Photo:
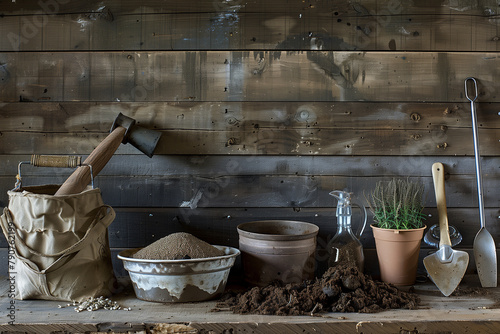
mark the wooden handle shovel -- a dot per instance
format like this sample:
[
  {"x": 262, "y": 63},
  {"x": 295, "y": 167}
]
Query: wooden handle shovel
[{"x": 446, "y": 267}]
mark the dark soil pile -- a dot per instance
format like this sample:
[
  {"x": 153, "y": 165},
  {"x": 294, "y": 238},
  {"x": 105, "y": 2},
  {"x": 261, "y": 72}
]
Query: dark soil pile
[
  {"x": 341, "y": 289},
  {"x": 178, "y": 246}
]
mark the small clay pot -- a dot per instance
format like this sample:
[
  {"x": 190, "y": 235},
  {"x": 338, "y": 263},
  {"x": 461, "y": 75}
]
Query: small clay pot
[
  {"x": 277, "y": 250},
  {"x": 397, "y": 252}
]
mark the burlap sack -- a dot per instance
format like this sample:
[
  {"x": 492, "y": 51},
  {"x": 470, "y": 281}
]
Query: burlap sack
[{"x": 58, "y": 245}]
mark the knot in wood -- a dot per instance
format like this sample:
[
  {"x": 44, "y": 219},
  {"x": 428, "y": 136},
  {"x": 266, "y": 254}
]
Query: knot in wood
[
  {"x": 415, "y": 117},
  {"x": 231, "y": 141},
  {"x": 416, "y": 136},
  {"x": 308, "y": 143},
  {"x": 443, "y": 145},
  {"x": 232, "y": 121}
]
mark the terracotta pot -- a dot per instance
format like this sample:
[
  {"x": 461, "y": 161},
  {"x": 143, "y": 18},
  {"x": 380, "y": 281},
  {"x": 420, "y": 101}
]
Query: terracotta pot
[
  {"x": 397, "y": 252},
  {"x": 277, "y": 249}
]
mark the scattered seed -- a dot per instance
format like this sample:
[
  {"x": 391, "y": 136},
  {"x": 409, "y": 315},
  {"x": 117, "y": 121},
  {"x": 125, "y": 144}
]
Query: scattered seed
[{"x": 94, "y": 304}]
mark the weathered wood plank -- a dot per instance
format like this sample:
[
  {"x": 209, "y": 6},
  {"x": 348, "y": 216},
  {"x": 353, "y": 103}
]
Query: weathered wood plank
[
  {"x": 204, "y": 25},
  {"x": 253, "y": 181},
  {"x": 220, "y": 166},
  {"x": 246, "y": 76},
  {"x": 245, "y": 128},
  {"x": 285, "y": 142},
  {"x": 370, "y": 7},
  {"x": 80, "y": 117},
  {"x": 219, "y": 30},
  {"x": 256, "y": 191}
]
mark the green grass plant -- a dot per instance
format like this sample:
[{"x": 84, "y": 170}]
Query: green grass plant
[{"x": 398, "y": 204}]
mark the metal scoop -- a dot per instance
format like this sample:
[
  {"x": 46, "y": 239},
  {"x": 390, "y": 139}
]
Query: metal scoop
[{"x": 485, "y": 252}]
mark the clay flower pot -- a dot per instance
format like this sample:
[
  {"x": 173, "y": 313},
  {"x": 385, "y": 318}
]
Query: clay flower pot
[{"x": 397, "y": 252}]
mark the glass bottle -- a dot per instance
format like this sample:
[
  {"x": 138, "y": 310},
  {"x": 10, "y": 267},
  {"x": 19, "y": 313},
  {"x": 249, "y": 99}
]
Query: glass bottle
[{"x": 345, "y": 246}]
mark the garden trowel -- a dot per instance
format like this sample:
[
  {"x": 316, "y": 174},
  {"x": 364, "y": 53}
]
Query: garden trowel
[{"x": 446, "y": 267}]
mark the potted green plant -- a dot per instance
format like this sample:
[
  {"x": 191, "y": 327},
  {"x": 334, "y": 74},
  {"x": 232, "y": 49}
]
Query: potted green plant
[{"x": 398, "y": 228}]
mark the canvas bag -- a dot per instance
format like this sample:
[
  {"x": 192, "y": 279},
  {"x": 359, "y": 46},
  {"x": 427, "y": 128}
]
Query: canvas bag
[{"x": 58, "y": 245}]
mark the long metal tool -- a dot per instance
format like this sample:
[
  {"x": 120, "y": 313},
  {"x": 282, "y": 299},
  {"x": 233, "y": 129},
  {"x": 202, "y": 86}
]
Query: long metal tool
[
  {"x": 484, "y": 247},
  {"x": 447, "y": 266}
]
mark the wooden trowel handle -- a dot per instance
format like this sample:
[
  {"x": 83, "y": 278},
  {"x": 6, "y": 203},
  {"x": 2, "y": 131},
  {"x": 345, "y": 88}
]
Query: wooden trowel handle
[
  {"x": 78, "y": 181},
  {"x": 438, "y": 178}
]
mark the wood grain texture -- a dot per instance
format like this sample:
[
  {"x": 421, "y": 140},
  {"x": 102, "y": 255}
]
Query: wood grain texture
[
  {"x": 271, "y": 142},
  {"x": 260, "y": 128},
  {"x": 256, "y": 76},
  {"x": 259, "y": 6},
  {"x": 88, "y": 117},
  {"x": 254, "y": 191},
  {"x": 369, "y": 7},
  {"x": 250, "y": 25},
  {"x": 206, "y": 181},
  {"x": 214, "y": 166}
]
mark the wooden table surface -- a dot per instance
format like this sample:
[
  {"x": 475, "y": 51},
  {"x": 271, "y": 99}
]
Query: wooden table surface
[{"x": 476, "y": 310}]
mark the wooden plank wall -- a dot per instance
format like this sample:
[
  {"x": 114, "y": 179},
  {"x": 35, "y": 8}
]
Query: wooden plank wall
[{"x": 265, "y": 106}]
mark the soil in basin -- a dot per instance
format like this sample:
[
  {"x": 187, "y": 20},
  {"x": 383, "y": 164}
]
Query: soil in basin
[{"x": 178, "y": 246}]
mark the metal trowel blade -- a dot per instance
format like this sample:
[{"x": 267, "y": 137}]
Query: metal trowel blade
[{"x": 447, "y": 275}]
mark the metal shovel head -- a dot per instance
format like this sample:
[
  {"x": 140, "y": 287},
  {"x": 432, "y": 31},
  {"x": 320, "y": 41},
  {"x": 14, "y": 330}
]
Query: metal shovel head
[
  {"x": 486, "y": 258},
  {"x": 446, "y": 268}
]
